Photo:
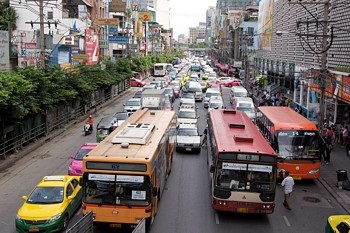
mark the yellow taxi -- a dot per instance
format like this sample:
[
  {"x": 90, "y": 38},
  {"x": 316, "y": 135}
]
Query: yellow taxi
[
  {"x": 50, "y": 205},
  {"x": 338, "y": 224}
]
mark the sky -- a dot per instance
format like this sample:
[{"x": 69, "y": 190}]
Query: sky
[{"x": 187, "y": 13}]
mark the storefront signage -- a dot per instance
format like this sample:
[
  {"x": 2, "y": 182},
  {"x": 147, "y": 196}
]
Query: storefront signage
[{"x": 117, "y": 6}]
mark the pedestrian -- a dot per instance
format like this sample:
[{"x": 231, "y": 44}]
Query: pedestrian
[
  {"x": 205, "y": 132},
  {"x": 345, "y": 134},
  {"x": 288, "y": 184},
  {"x": 329, "y": 148}
]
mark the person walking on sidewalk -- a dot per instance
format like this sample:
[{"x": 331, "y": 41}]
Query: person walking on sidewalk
[
  {"x": 329, "y": 148},
  {"x": 288, "y": 184},
  {"x": 205, "y": 132}
]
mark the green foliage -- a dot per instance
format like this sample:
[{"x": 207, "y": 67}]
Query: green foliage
[
  {"x": 343, "y": 69},
  {"x": 29, "y": 90},
  {"x": 8, "y": 14},
  {"x": 199, "y": 45}
]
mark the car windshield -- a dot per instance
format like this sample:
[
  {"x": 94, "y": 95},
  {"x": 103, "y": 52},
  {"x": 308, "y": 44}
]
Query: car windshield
[
  {"x": 210, "y": 94},
  {"x": 46, "y": 195},
  {"x": 81, "y": 153},
  {"x": 133, "y": 103},
  {"x": 245, "y": 109},
  {"x": 108, "y": 189},
  {"x": 215, "y": 105},
  {"x": 187, "y": 132},
  {"x": 187, "y": 96},
  {"x": 168, "y": 91},
  {"x": 121, "y": 116},
  {"x": 187, "y": 114}
]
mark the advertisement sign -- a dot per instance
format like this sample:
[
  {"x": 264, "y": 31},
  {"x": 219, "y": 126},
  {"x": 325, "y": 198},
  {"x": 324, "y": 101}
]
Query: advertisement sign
[
  {"x": 345, "y": 89},
  {"x": 4, "y": 51},
  {"x": 113, "y": 30},
  {"x": 117, "y": 6},
  {"x": 265, "y": 20},
  {"x": 144, "y": 16},
  {"x": 91, "y": 47},
  {"x": 316, "y": 77},
  {"x": 118, "y": 39},
  {"x": 107, "y": 21}
]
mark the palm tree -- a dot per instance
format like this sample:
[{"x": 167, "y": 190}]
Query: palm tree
[{"x": 8, "y": 14}]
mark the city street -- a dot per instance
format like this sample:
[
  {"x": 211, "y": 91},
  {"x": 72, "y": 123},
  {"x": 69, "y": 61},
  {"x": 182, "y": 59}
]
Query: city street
[{"x": 185, "y": 205}]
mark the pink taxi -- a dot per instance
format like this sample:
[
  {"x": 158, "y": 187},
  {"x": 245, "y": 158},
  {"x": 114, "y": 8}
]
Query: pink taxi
[{"x": 76, "y": 165}]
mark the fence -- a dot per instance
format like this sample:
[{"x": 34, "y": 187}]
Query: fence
[
  {"x": 84, "y": 225},
  {"x": 15, "y": 135}
]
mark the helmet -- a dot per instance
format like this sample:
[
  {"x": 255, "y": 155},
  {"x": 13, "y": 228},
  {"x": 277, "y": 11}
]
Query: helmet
[{"x": 90, "y": 116}]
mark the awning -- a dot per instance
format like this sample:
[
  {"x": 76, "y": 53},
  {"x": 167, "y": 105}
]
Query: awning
[{"x": 87, "y": 2}]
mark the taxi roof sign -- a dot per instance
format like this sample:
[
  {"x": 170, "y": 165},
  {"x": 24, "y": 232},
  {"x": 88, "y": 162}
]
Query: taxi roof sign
[{"x": 53, "y": 178}]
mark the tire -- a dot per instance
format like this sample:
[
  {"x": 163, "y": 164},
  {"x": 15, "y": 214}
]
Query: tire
[
  {"x": 139, "y": 85},
  {"x": 65, "y": 221}
]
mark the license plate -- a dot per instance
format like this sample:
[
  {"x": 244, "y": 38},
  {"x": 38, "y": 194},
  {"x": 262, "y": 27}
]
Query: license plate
[
  {"x": 242, "y": 210},
  {"x": 33, "y": 229},
  {"x": 297, "y": 177},
  {"x": 188, "y": 149},
  {"x": 115, "y": 225}
]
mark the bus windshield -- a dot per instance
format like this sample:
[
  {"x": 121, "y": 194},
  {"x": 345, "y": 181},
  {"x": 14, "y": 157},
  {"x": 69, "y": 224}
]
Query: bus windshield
[
  {"x": 297, "y": 144},
  {"x": 241, "y": 176},
  {"x": 111, "y": 189},
  {"x": 159, "y": 67}
]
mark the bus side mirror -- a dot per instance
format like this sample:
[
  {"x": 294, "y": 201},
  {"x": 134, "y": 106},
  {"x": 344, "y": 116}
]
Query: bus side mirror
[
  {"x": 212, "y": 169},
  {"x": 155, "y": 191},
  {"x": 81, "y": 181}
]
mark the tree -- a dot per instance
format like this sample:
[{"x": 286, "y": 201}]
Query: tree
[{"x": 8, "y": 15}]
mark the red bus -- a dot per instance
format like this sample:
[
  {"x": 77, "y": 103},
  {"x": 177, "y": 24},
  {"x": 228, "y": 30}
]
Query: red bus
[
  {"x": 294, "y": 138},
  {"x": 242, "y": 164}
]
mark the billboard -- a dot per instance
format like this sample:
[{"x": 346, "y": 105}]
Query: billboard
[
  {"x": 92, "y": 47},
  {"x": 265, "y": 21},
  {"x": 4, "y": 51}
]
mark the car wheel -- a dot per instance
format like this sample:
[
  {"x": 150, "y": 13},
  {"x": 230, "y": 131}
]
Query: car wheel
[
  {"x": 230, "y": 85},
  {"x": 139, "y": 85},
  {"x": 65, "y": 221}
]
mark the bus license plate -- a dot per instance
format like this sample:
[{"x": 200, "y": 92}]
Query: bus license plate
[
  {"x": 115, "y": 225},
  {"x": 242, "y": 210},
  {"x": 297, "y": 177},
  {"x": 33, "y": 229},
  {"x": 188, "y": 149}
]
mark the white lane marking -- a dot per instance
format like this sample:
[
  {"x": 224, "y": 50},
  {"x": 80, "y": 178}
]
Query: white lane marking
[
  {"x": 286, "y": 221},
  {"x": 217, "y": 219}
]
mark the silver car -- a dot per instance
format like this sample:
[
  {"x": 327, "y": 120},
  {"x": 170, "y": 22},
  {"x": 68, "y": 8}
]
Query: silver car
[{"x": 188, "y": 139}]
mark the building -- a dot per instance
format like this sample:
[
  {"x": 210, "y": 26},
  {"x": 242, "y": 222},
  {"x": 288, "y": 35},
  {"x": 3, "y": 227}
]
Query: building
[
  {"x": 197, "y": 32},
  {"x": 210, "y": 17},
  {"x": 291, "y": 57}
]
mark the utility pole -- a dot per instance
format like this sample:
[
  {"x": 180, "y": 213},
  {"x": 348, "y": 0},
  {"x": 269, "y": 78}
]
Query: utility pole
[
  {"x": 42, "y": 34},
  {"x": 324, "y": 48}
]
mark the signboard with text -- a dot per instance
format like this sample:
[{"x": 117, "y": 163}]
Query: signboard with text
[
  {"x": 144, "y": 16},
  {"x": 107, "y": 21},
  {"x": 118, "y": 39},
  {"x": 4, "y": 51},
  {"x": 117, "y": 6}
]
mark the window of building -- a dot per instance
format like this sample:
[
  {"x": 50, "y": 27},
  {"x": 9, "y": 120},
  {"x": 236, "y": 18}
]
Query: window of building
[{"x": 50, "y": 15}]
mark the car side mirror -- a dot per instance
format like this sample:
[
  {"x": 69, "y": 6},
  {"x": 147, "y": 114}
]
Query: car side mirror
[
  {"x": 123, "y": 104},
  {"x": 72, "y": 157}
]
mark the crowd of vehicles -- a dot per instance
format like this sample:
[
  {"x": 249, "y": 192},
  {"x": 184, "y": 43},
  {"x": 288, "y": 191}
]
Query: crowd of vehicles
[{"x": 125, "y": 171}]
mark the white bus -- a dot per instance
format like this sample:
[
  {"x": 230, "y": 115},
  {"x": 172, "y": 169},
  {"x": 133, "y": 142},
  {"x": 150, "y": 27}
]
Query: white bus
[{"x": 161, "y": 69}]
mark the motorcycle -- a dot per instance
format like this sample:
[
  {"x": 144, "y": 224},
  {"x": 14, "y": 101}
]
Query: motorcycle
[{"x": 88, "y": 129}]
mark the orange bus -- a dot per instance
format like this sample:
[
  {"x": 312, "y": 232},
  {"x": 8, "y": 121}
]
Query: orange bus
[
  {"x": 242, "y": 164},
  {"x": 124, "y": 175},
  {"x": 294, "y": 138}
]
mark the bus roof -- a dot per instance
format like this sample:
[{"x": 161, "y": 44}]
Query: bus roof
[
  {"x": 285, "y": 118},
  {"x": 234, "y": 131},
  {"x": 136, "y": 140}
]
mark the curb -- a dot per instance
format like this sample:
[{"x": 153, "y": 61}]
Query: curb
[
  {"x": 13, "y": 158},
  {"x": 328, "y": 187}
]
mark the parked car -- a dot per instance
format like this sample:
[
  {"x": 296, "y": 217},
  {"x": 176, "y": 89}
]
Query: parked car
[
  {"x": 188, "y": 139},
  {"x": 134, "y": 82},
  {"x": 51, "y": 204},
  {"x": 76, "y": 165},
  {"x": 137, "y": 94}
]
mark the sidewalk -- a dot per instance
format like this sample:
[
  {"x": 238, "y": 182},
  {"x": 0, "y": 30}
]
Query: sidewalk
[
  {"x": 13, "y": 158},
  {"x": 328, "y": 178}
]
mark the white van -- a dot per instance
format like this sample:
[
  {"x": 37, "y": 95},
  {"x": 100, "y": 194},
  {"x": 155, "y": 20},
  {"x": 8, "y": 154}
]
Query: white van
[
  {"x": 238, "y": 91},
  {"x": 210, "y": 92},
  {"x": 195, "y": 88},
  {"x": 245, "y": 104}
]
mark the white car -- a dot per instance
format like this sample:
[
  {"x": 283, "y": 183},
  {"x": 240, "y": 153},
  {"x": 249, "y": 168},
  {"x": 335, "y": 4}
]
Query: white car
[
  {"x": 215, "y": 102},
  {"x": 132, "y": 105},
  {"x": 187, "y": 115},
  {"x": 188, "y": 139}
]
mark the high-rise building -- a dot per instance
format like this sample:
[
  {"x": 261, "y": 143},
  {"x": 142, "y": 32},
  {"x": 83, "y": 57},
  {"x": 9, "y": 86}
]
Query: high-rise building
[{"x": 210, "y": 17}]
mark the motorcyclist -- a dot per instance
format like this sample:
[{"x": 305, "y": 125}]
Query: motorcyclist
[{"x": 90, "y": 121}]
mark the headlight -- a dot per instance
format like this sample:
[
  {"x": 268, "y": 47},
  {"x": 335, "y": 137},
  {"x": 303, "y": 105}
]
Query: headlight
[
  {"x": 18, "y": 218},
  {"x": 55, "y": 218}
]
